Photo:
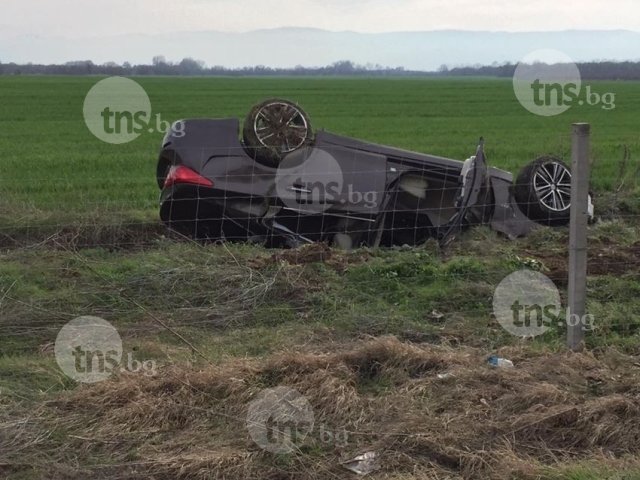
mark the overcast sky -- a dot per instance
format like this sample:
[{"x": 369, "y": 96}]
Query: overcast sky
[{"x": 82, "y": 18}]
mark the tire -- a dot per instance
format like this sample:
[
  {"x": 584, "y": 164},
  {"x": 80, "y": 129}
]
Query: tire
[
  {"x": 543, "y": 191},
  {"x": 275, "y": 128}
]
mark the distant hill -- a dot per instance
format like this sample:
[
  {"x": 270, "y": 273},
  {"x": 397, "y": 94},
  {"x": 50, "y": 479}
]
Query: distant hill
[{"x": 288, "y": 47}]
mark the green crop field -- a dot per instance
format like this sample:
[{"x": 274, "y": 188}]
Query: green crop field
[
  {"x": 389, "y": 346},
  {"x": 51, "y": 162}
]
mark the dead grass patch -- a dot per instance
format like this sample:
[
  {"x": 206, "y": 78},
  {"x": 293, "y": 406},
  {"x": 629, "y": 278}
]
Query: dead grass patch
[{"x": 475, "y": 423}]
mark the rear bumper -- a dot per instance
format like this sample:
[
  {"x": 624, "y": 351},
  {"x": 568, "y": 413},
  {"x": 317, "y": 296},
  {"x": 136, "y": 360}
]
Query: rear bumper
[{"x": 205, "y": 213}]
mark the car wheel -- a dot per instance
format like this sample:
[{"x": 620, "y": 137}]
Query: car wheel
[
  {"x": 275, "y": 128},
  {"x": 543, "y": 191}
]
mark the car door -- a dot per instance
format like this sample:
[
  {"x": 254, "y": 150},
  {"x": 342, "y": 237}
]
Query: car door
[{"x": 472, "y": 177}]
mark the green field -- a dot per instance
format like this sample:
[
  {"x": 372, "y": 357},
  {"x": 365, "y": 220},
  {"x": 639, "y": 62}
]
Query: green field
[
  {"x": 51, "y": 162},
  {"x": 363, "y": 335}
]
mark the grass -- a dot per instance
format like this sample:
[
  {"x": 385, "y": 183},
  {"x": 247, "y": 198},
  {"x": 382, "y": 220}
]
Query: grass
[
  {"x": 362, "y": 334},
  {"x": 282, "y": 318},
  {"x": 52, "y": 163}
]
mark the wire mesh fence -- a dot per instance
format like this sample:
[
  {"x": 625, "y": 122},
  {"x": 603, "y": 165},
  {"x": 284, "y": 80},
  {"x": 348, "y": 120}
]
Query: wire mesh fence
[
  {"x": 427, "y": 237},
  {"x": 372, "y": 282}
]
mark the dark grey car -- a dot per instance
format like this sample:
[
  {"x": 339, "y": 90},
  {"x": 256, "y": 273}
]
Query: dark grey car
[{"x": 284, "y": 185}]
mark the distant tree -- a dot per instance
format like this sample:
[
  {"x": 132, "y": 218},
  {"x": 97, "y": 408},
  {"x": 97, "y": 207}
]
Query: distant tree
[
  {"x": 343, "y": 66},
  {"x": 189, "y": 66},
  {"x": 80, "y": 67},
  {"x": 79, "y": 63},
  {"x": 158, "y": 60}
]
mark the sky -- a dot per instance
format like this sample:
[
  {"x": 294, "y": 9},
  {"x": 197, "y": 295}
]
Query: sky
[{"x": 86, "y": 18}]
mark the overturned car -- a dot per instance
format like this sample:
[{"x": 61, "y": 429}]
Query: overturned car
[{"x": 285, "y": 185}]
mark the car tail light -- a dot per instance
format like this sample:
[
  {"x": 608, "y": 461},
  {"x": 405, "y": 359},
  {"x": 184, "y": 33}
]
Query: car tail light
[{"x": 182, "y": 174}]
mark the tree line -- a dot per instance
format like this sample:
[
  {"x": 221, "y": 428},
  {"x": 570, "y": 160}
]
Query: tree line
[
  {"x": 191, "y": 67},
  {"x": 597, "y": 70}
]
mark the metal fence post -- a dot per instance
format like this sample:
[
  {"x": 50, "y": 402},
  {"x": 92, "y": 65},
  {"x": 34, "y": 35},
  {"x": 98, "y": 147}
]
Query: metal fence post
[{"x": 578, "y": 235}]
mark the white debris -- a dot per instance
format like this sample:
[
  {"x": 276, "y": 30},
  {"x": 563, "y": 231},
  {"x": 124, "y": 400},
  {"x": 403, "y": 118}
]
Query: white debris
[{"x": 363, "y": 464}]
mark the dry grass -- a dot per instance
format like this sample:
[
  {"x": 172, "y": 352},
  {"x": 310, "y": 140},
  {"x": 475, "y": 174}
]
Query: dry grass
[{"x": 383, "y": 395}]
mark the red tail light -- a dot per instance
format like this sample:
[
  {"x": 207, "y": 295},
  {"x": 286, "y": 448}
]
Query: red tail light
[{"x": 182, "y": 174}]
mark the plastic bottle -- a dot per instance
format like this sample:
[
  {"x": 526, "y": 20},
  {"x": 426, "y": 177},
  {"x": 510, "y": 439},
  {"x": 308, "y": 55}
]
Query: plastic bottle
[{"x": 500, "y": 362}]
